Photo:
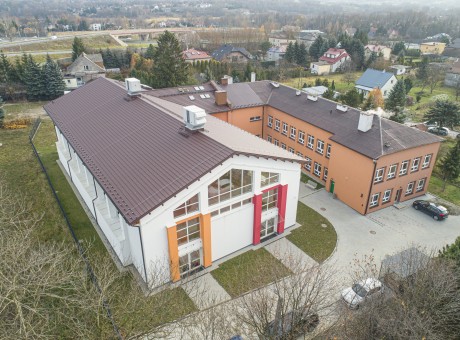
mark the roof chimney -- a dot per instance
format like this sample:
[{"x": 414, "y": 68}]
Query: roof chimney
[
  {"x": 253, "y": 77},
  {"x": 226, "y": 80},
  {"x": 133, "y": 86},
  {"x": 194, "y": 117},
  {"x": 221, "y": 97},
  {"x": 365, "y": 121}
]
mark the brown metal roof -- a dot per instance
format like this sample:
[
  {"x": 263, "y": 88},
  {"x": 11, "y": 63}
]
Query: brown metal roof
[{"x": 133, "y": 149}]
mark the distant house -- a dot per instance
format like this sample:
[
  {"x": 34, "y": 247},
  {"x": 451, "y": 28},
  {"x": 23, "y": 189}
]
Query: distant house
[
  {"x": 350, "y": 31},
  {"x": 85, "y": 68},
  {"x": 308, "y": 37},
  {"x": 393, "y": 34},
  {"x": 191, "y": 55},
  {"x": 231, "y": 54},
  {"x": 412, "y": 46},
  {"x": 399, "y": 69},
  {"x": 371, "y": 79},
  {"x": 276, "y": 53},
  {"x": 453, "y": 75},
  {"x": 432, "y": 47},
  {"x": 95, "y": 27},
  {"x": 453, "y": 50},
  {"x": 279, "y": 40},
  {"x": 334, "y": 57},
  {"x": 379, "y": 50},
  {"x": 372, "y": 32}
]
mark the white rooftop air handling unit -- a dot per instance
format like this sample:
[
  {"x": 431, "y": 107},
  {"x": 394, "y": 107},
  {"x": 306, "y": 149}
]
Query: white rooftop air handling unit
[
  {"x": 366, "y": 119},
  {"x": 298, "y": 93},
  {"x": 342, "y": 108},
  {"x": 194, "y": 117},
  {"x": 312, "y": 98},
  {"x": 133, "y": 86}
]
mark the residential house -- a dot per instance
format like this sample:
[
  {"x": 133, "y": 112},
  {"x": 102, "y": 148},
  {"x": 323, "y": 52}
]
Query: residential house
[
  {"x": 85, "y": 68},
  {"x": 453, "y": 50},
  {"x": 231, "y": 54},
  {"x": 350, "y": 31},
  {"x": 334, "y": 57},
  {"x": 453, "y": 75},
  {"x": 372, "y": 79},
  {"x": 393, "y": 34},
  {"x": 308, "y": 37},
  {"x": 191, "y": 55},
  {"x": 95, "y": 27},
  {"x": 278, "y": 40},
  {"x": 378, "y": 50},
  {"x": 276, "y": 53},
  {"x": 171, "y": 186},
  {"x": 412, "y": 46},
  {"x": 367, "y": 161},
  {"x": 432, "y": 47},
  {"x": 399, "y": 69}
]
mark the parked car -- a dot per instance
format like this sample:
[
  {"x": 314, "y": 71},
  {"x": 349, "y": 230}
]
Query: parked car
[
  {"x": 362, "y": 291},
  {"x": 292, "y": 326},
  {"x": 438, "y": 212},
  {"x": 439, "y": 131}
]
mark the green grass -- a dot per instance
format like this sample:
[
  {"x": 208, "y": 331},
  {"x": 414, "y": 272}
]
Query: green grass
[
  {"x": 340, "y": 85},
  {"x": 315, "y": 240},
  {"x": 451, "y": 193},
  {"x": 12, "y": 110},
  {"x": 250, "y": 270}
]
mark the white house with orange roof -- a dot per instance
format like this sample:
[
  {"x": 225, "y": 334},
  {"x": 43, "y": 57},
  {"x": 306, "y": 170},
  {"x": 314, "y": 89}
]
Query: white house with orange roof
[{"x": 379, "y": 50}]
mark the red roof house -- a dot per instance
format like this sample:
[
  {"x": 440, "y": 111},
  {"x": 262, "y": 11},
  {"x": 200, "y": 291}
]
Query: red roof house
[{"x": 192, "y": 55}]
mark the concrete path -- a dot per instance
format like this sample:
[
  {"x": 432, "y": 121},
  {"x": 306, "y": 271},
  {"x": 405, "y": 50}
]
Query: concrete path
[
  {"x": 289, "y": 254},
  {"x": 205, "y": 291}
]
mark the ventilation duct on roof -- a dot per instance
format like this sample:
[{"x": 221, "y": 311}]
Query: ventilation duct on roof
[
  {"x": 298, "y": 93},
  {"x": 253, "y": 77},
  {"x": 133, "y": 86},
  {"x": 194, "y": 117},
  {"x": 342, "y": 108},
  {"x": 312, "y": 98},
  {"x": 275, "y": 84},
  {"x": 365, "y": 121}
]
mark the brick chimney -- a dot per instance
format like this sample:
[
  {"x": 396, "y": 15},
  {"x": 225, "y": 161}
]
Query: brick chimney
[{"x": 221, "y": 97}]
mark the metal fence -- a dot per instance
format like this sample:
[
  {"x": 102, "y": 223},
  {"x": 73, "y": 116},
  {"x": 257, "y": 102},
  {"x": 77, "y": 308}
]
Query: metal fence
[{"x": 88, "y": 266}]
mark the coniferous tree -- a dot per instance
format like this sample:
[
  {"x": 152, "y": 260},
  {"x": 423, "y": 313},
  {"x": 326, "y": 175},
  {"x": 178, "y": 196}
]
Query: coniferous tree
[
  {"x": 169, "y": 68},
  {"x": 301, "y": 55},
  {"x": 422, "y": 71},
  {"x": 398, "y": 48},
  {"x": 2, "y": 112},
  {"x": 53, "y": 81},
  {"x": 5, "y": 69},
  {"x": 445, "y": 113},
  {"x": 150, "y": 53},
  {"x": 397, "y": 97},
  {"x": 408, "y": 84},
  {"x": 450, "y": 164},
  {"x": 351, "y": 98},
  {"x": 77, "y": 48},
  {"x": 315, "y": 48},
  {"x": 333, "y": 85},
  {"x": 290, "y": 56},
  {"x": 33, "y": 80}
]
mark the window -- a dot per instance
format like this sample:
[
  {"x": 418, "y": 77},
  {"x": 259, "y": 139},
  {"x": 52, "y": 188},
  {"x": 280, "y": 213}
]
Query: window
[
  {"x": 325, "y": 174},
  {"x": 277, "y": 124},
  {"x": 190, "y": 263},
  {"x": 311, "y": 142},
  {"x": 374, "y": 200},
  {"x": 403, "y": 169},
  {"x": 291, "y": 150},
  {"x": 392, "y": 171},
  {"x": 267, "y": 227},
  {"x": 410, "y": 188},
  {"x": 420, "y": 185},
  {"x": 426, "y": 161},
  {"x": 317, "y": 170},
  {"x": 283, "y": 146},
  {"x": 269, "y": 138},
  {"x": 293, "y": 132},
  {"x": 255, "y": 119},
  {"x": 328, "y": 151},
  {"x": 320, "y": 146},
  {"x": 86, "y": 67},
  {"x": 269, "y": 178},
  {"x": 188, "y": 231},
  {"x": 386, "y": 196},
  {"x": 277, "y": 143},
  {"x": 191, "y": 205},
  {"x": 270, "y": 199},
  {"x": 307, "y": 164},
  {"x": 231, "y": 207},
  {"x": 415, "y": 164},
  {"x": 301, "y": 137},
  {"x": 379, "y": 175},
  {"x": 285, "y": 128},
  {"x": 270, "y": 121},
  {"x": 299, "y": 154},
  {"x": 232, "y": 184}
]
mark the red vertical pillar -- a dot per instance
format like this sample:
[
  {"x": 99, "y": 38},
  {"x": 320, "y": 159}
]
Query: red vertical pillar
[
  {"x": 282, "y": 197},
  {"x": 257, "y": 201}
]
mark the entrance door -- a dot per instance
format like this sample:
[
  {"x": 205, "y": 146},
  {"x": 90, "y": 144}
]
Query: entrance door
[
  {"x": 331, "y": 187},
  {"x": 268, "y": 227},
  {"x": 398, "y": 195},
  {"x": 190, "y": 263}
]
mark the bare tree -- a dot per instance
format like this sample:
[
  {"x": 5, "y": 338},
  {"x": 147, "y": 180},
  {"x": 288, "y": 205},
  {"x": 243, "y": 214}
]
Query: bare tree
[{"x": 435, "y": 75}]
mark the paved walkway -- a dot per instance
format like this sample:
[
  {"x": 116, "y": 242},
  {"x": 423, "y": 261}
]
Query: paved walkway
[
  {"x": 289, "y": 254},
  {"x": 205, "y": 291}
]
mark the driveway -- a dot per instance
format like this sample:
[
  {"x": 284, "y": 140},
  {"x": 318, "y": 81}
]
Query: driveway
[{"x": 384, "y": 232}]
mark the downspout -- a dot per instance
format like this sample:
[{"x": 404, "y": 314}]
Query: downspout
[
  {"x": 95, "y": 198},
  {"x": 370, "y": 189},
  {"x": 68, "y": 165},
  {"x": 138, "y": 226}
]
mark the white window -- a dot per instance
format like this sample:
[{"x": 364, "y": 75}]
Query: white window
[
  {"x": 190, "y": 263},
  {"x": 386, "y": 196},
  {"x": 283, "y": 146},
  {"x": 311, "y": 142},
  {"x": 268, "y": 227},
  {"x": 307, "y": 164},
  {"x": 232, "y": 184},
  {"x": 325, "y": 174},
  {"x": 255, "y": 119},
  {"x": 420, "y": 184},
  {"x": 392, "y": 171},
  {"x": 277, "y": 143},
  {"x": 426, "y": 161},
  {"x": 403, "y": 169},
  {"x": 379, "y": 175},
  {"x": 291, "y": 150},
  {"x": 285, "y": 128},
  {"x": 269, "y": 178},
  {"x": 374, "y": 200},
  {"x": 301, "y": 137},
  {"x": 188, "y": 231},
  {"x": 269, "y": 138},
  {"x": 328, "y": 151},
  {"x": 231, "y": 207},
  {"x": 293, "y": 132},
  {"x": 270, "y": 121},
  {"x": 270, "y": 199},
  {"x": 299, "y": 154},
  {"x": 317, "y": 170},
  {"x": 415, "y": 164},
  {"x": 277, "y": 124},
  {"x": 410, "y": 188},
  {"x": 320, "y": 146},
  {"x": 190, "y": 206}
]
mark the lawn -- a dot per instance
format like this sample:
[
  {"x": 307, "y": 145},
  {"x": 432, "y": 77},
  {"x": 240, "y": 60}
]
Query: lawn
[
  {"x": 250, "y": 270},
  {"x": 13, "y": 110},
  {"x": 340, "y": 85},
  {"x": 451, "y": 193},
  {"x": 316, "y": 241}
]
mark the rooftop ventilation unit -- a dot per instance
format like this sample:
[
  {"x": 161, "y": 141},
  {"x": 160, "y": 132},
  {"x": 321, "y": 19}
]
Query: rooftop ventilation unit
[
  {"x": 194, "y": 117},
  {"x": 133, "y": 86},
  {"x": 275, "y": 84},
  {"x": 298, "y": 93},
  {"x": 366, "y": 119},
  {"x": 312, "y": 98},
  {"x": 342, "y": 108}
]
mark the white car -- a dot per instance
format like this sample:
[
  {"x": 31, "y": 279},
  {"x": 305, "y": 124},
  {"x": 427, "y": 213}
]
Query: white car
[{"x": 361, "y": 291}]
